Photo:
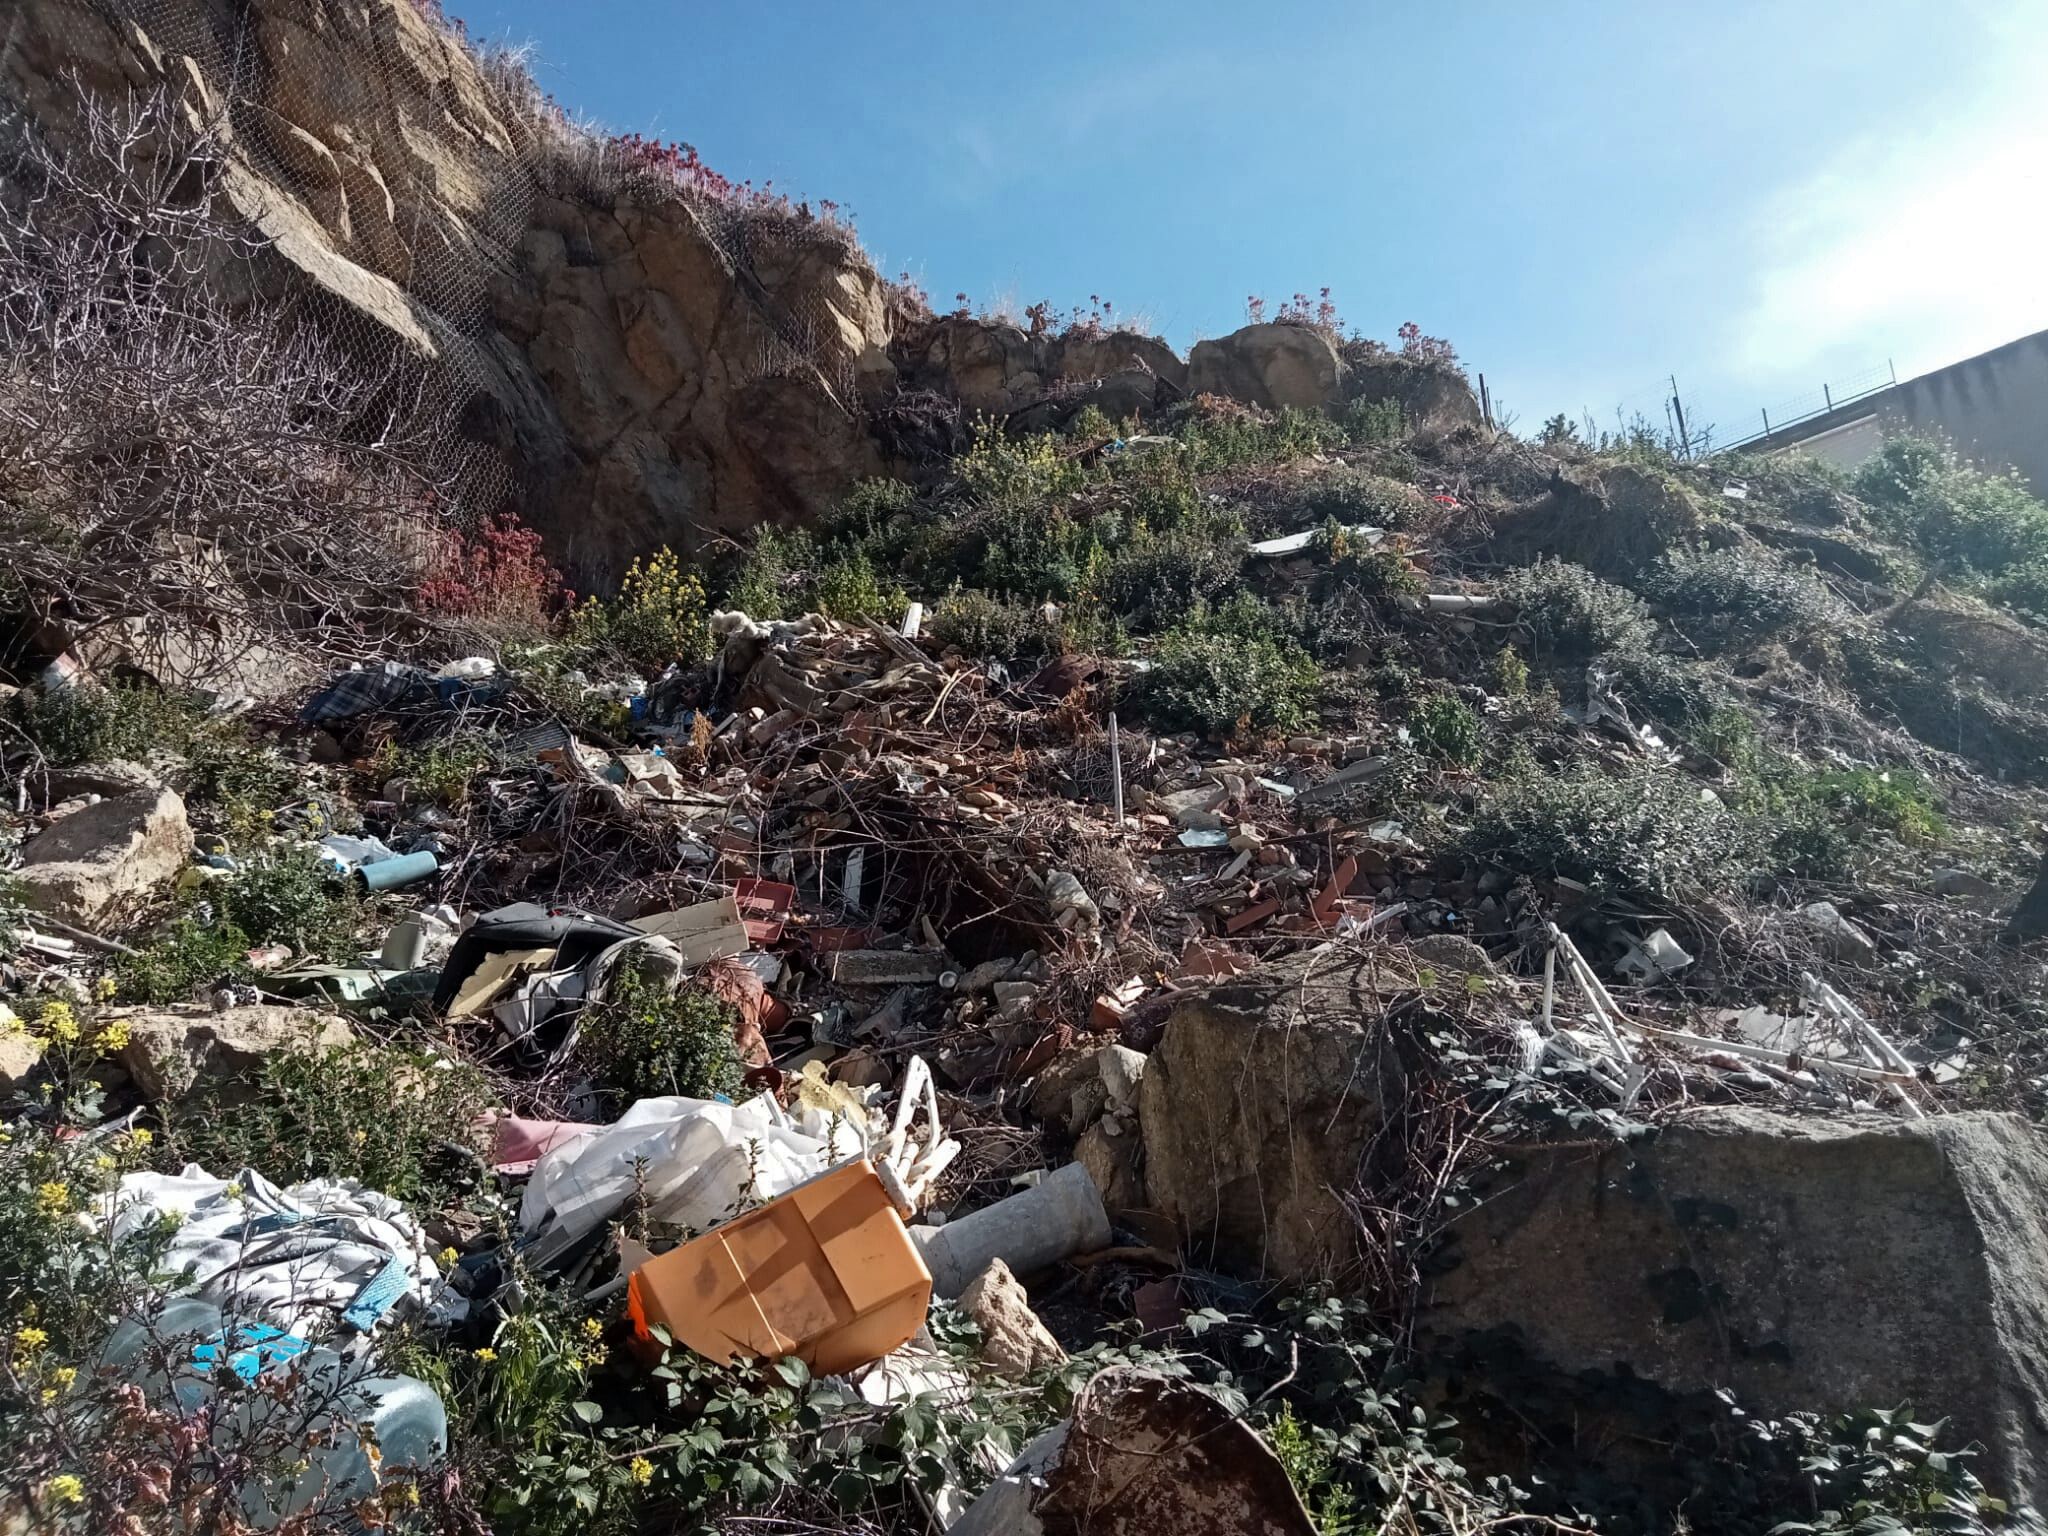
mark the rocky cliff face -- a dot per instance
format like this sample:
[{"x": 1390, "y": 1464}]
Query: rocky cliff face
[{"x": 646, "y": 362}]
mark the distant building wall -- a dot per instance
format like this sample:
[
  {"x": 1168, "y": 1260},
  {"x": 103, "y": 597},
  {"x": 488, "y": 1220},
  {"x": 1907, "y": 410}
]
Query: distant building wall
[{"x": 1992, "y": 407}]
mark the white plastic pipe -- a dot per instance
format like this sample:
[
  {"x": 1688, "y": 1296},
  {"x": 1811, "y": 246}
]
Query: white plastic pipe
[{"x": 1060, "y": 1217}]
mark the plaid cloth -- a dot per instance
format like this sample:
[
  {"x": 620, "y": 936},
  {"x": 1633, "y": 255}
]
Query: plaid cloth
[{"x": 355, "y": 693}]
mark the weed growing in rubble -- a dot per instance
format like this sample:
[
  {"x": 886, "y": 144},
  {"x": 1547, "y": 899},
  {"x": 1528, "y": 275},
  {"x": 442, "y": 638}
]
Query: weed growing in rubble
[
  {"x": 1444, "y": 727},
  {"x": 1739, "y": 593},
  {"x": 1573, "y": 614},
  {"x": 1509, "y": 673},
  {"x": 658, "y": 617},
  {"x": 645, "y": 1040},
  {"x": 1003, "y": 471},
  {"x": 1229, "y": 437},
  {"x": 784, "y": 575},
  {"x": 1370, "y": 422},
  {"x": 380, "y": 1114},
  {"x": 86, "y": 723},
  {"x": 1229, "y": 672},
  {"x": 439, "y": 772},
  {"x": 980, "y": 625},
  {"x": 1642, "y": 832},
  {"x": 1157, "y": 579},
  {"x": 291, "y": 897},
  {"x": 188, "y": 957}
]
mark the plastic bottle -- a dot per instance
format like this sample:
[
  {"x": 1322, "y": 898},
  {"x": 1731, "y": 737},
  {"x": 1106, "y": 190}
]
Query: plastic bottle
[{"x": 179, "y": 1356}]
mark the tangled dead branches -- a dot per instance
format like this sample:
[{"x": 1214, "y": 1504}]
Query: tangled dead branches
[{"x": 170, "y": 457}]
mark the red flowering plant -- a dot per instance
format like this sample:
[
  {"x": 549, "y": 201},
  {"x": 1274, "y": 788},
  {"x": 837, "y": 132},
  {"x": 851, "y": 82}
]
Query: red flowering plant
[
  {"x": 680, "y": 163},
  {"x": 495, "y": 579}
]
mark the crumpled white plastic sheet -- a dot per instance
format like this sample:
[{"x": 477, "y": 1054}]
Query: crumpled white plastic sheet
[
  {"x": 702, "y": 1160},
  {"x": 321, "y": 1253}
]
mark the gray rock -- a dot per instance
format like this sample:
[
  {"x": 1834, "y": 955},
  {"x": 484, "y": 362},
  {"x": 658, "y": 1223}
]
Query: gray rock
[
  {"x": 1844, "y": 939},
  {"x": 107, "y": 858},
  {"x": 19, "y": 1053},
  {"x": 1960, "y": 882},
  {"x": 1257, "y": 1107},
  {"x": 170, "y": 1054},
  {"x": 1804, "y": 1263},
  {"x": 1123, "y": 1069}
]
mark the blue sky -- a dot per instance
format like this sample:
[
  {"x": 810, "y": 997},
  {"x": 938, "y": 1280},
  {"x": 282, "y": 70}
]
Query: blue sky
[{"x": 1584, "y": 196}]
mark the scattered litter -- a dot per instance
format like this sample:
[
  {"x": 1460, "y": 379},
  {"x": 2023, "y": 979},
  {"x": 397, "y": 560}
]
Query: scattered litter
[{"x": 324, "y": 1253}]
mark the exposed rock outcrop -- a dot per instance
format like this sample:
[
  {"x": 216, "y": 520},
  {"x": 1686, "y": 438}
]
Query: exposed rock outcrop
[
  {"x": 1804, "y": 1263},
  {"x": 1257, "y": 1109},
  {"x": 643, "y": 360}
]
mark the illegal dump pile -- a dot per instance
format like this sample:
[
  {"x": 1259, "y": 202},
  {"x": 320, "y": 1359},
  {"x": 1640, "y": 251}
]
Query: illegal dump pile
[
  {"x": 551, "y": 1096},
  {"x": 1273, "y": 963}
]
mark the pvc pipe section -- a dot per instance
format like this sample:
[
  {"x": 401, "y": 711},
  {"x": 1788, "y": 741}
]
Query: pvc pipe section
[
  {"x": 1060, "y": 1217},
  {"x": 389, "y": 874}
]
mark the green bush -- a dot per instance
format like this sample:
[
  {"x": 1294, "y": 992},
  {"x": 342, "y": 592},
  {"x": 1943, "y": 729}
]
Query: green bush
[
  {"x": 1892, "y": 800},
  {"x": 645, "y": 1040},
  {"x": 1740, "y": 592},
  {"x": 1032, "y": 472},
  {"x": 2025, "y": 591},
  {"x": 1230, "y": 672},
  {"x": 187, "y": 956},
  {"x": 1156, "y": 580},
  {"x": 981, "y": 625},
  {"x": 1444, "y": 726},
  {"x": 1957, "y": 515},
  {"x": 1891, "y": 477},
  {"x": 658, "y": 617},
  {"x": 238, "y": 779},
  {"x": 847, "y": 588},
  {"x": 1642, "y": 833},
  {"x": 289, "y": 896},
  {"x": 871, "y": 509},
  {"x": 1369, "y": 422},
  {"x": 86, "y": 723},
  {"x": 1671, "y": 689},
  {"x": 1229, "y": 438},
  {"x": 379, "y": 1114},
  {"x": 1573, "y": 614}
]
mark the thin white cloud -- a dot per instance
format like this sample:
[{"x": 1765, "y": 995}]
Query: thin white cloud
[{"x": 1924, "y": 247}]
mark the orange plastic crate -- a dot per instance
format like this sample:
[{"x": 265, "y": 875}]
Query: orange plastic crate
[{"x": 826, "y": 1273}]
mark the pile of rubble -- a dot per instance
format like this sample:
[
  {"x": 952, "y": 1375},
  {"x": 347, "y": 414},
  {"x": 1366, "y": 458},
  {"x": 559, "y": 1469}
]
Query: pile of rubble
[{"x": 1021, "y": 995}]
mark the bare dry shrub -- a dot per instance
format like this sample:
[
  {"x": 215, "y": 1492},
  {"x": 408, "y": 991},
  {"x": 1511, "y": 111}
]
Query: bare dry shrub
[{"x": 171, "y": 456}]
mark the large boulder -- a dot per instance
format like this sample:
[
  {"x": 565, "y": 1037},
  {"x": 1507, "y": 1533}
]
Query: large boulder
[
  {"x": 1082, "y": 356},
  {"x": 1804, "y": 1263},
  {"x": 106, "y": 858},
  {"x": 1257, "y": 1109},
  {"x": 169, "y": 1054},
  {"x": 1434, "y": 397},
  {"x": 1270, "y": 365},
  {"x": 990, "y": 366}
]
